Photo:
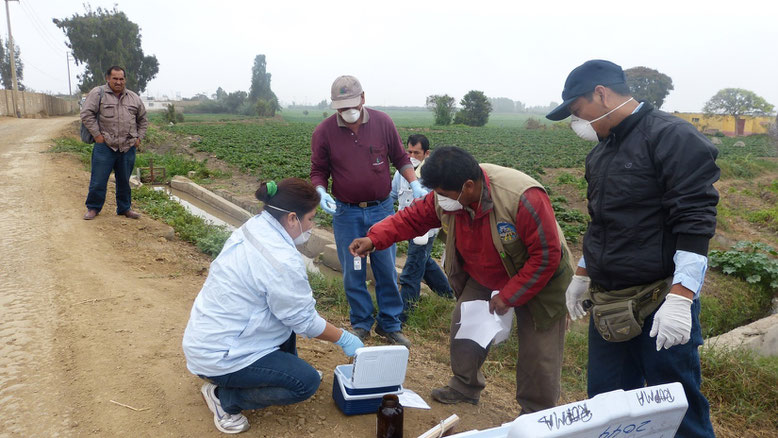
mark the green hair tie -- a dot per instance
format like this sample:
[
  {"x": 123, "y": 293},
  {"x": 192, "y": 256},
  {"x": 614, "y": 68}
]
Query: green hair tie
[{"x": 272, "y": 188}]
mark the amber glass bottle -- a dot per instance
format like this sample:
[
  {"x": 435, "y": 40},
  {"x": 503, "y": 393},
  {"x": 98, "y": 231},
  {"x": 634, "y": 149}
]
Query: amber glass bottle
[{"x": 389, "y": 419}]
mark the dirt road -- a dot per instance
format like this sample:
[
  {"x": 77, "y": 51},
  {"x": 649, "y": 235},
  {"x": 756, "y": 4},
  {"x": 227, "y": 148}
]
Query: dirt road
[{"x": 93, "y": 312}]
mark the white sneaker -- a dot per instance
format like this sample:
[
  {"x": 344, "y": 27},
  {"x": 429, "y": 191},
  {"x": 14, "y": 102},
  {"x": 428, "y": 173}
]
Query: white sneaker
[{"x": 227, "y": 423}]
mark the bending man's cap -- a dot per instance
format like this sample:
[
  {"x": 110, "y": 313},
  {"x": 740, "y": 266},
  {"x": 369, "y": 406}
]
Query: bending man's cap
[{"x": 583, "y": 79}]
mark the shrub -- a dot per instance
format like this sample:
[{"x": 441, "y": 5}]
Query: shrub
[
  {"x": 475, "y": 109},
  {"x": 171, "y": 116},
  {"x": 533, "y": 123},
  {"x": 749, "y": 261},
  {"x": 265, "y": 108}
]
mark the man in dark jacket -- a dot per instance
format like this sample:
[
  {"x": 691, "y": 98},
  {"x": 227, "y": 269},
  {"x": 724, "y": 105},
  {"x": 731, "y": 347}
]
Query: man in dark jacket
[{"x": 653, "y": 211}]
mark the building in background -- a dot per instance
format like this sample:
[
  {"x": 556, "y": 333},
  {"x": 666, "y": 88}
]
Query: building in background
[{"x": 745, "y": 125}]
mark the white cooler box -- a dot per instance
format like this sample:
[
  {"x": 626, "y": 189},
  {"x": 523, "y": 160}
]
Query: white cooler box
[
  {"x": 377, "y": 371},
  {"x": 650, "y": 412}
]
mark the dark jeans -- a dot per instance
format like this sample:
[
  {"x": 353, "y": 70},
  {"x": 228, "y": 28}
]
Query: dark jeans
[
  {"x": 635, "y": 363},
  {"x": 279, "y": 378},
  {"x": 105, "y": 160},
  {"x": 348, "y": 223},
  {"x": 420, "y": 265}
]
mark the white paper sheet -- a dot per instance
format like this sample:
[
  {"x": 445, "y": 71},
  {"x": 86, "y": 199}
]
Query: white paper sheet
[
  {"x": 409, "y": 399},
  {"x": 506, "y": 322},
  {"x": 477, "y": 324}
]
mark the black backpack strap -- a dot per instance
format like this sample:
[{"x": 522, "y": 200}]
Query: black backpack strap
[{"x": 99, "y": 103}]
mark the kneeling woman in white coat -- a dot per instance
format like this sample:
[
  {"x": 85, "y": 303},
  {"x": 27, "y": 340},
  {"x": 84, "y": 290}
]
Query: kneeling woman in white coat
[{"x": 244, "y": 322}]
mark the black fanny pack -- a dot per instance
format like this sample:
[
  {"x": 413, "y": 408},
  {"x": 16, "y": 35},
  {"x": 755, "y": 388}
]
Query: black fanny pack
[{"x": 619, "y": 314}]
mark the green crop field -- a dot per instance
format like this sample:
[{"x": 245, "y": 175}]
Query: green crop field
[
  {"x": 280, "y": 147},
  {"x": 413, "y": 117}
]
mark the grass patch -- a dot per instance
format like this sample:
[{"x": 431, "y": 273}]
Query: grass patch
[
  {"x": 730, "y": 303},
  {"x": 745, "y": 167},
  {"x": 767, "y": 216},
  {"x": 575, "y": 361},
  {"x": 733, "y": 303},
  {"x": 741, "y": 387},
  {"x": 174, "y": 164},
  {"x": 207, "y": 237},
  {"x": 402, "y": 247},
  {"x": 74, "y": 146},
  {"x": 577, "y": 182},
  {"x": 431, "y": 319},
  {"x": 329, "y": 294},
  {"x": 573, "y": 222}
]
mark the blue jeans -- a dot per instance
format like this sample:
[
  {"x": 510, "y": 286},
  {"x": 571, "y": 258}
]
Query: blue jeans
[
  {"x": 634, "y": 363},
  {"x": 279, "y": 378},
  {"x": 349, "y": 223},
  {"x": 105, "y": 160},
  {"x": 419, "y": 265}
]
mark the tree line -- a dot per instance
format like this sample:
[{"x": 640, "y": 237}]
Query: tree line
[
  {"x": 259, "y": 101},
  {"x": 100, "y": 37},
  {"x": 645, "y": 84}
]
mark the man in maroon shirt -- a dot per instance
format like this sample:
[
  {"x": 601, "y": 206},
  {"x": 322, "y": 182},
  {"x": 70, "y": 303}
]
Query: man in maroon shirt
[
  {"x": 355, "y": 146},
  {"x": 502, "y": 236}
]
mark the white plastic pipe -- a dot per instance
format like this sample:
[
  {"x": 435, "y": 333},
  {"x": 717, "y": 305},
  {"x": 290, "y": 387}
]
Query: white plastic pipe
[{"x": 440, "y": 429}]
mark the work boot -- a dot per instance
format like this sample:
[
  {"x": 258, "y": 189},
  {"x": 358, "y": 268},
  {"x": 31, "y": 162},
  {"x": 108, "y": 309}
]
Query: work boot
[
  {"x": 394, "y": 337},
  {"x": 90, "y": 214},
  {"x": 448, "y": 395},
  {"x": 131, "y": 214},
  {"x": 361, "y": 333}
]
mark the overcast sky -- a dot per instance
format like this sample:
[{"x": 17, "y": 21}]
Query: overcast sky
[{"x": 403, "y": 51}]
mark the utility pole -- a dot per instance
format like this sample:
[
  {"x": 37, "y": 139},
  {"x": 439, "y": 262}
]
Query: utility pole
[
  {"x": 67, "y": 58},
  {"x": 13, "y": 60}
]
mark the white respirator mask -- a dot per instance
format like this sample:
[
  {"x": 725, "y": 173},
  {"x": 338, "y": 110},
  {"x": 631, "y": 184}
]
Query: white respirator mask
[
  {"x": 415, "y": 163},
  {"x": 304, "y": 235},
  {"x": 350, "y": 115},
  {"x": 585, "y": 130},
  {"x": 449, "y": 204}
]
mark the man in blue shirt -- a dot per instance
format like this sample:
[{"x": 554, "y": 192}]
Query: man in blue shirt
[{"x": 419, "y": 263}]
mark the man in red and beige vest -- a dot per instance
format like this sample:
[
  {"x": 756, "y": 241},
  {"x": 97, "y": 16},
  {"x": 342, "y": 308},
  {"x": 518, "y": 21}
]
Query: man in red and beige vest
[{"x": 501, "y": 235}]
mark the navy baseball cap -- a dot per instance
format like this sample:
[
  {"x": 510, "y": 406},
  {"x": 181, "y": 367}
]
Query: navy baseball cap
[{"x": 583, "y": 79}]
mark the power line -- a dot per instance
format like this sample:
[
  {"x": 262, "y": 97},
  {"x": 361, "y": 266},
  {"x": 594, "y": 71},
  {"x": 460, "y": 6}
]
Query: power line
[
  {"x": 27, "y": 64},
  {"x": 41, "y": 33},
  {"x": 34, "y": 13}
]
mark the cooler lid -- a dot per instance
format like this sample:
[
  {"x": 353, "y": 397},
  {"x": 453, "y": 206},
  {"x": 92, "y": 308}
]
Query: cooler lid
[{"x": 376, "y": 367}]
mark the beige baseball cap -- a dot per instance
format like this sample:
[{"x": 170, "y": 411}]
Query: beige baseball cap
[{"x": 346, "y": 92}]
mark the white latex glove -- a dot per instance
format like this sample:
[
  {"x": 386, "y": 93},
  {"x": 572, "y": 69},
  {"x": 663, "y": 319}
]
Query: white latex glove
[
  {"x": 421, "y": 240},
  {"x": 326, "y": 202},
  {"x": 574, "y": 296},
  {"x": 418, "y": 190},
  {"x": 672, "y": 322}
]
